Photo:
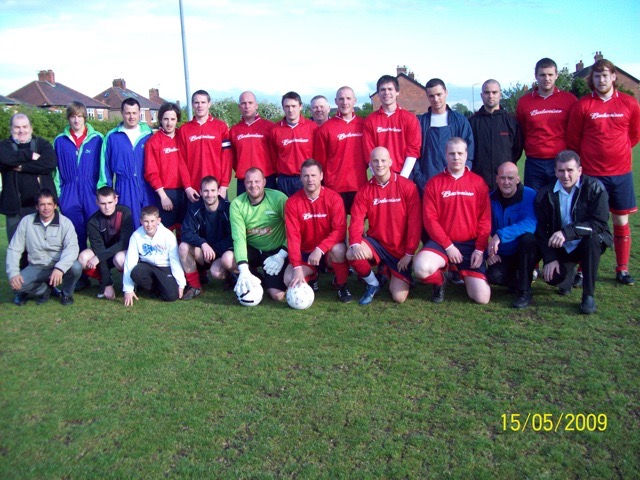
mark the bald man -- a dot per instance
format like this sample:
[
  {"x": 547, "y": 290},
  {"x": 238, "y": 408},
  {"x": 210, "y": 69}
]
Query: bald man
[
  {"x": 496, "y": 135},
  {"x": 250, "y": 143},
  {"x": 391, "y": 204},
  {"x": 512, "y": 252}
]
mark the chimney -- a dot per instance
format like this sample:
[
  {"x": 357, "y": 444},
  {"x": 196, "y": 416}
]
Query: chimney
[
  {"x": 154, "y": 93},
  {"x": 598, "y": 56},
  {"x": 400, "y": 70},
  {"x": 579, "y": 66},
  {"x": 120, "y": 83},
  {"x": 412, "y": 75},
  {"x": 47, "y": 76}
]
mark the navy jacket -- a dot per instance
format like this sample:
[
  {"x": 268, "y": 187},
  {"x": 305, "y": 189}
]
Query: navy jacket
[{"x": 200, "y": 226}]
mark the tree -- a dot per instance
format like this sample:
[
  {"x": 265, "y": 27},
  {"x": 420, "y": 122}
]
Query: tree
[
  {"x": 365, "y": 110},
  {"x": 511, "y": 95},
  {"x": 461, "y": 108}
]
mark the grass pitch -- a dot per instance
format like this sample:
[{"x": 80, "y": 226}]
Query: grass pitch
[{"x": 209, "y": 389}]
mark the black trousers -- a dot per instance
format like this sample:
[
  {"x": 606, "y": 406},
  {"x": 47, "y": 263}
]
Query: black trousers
[
  {"x": 587, "y": 253},
  {"x": 516, "y": 271},
  {"x": 157, "y": 280}
]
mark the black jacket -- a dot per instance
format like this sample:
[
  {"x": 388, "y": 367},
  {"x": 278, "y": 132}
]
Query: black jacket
[
  {"x": 20, "y": 188},
  {"x": 497, "y": 138},
  {"x": 108, "y": 236},
  {"x": 590, "y": 209}
]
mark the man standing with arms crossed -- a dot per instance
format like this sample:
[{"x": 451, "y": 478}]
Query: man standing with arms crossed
[
  {"x": 205, "y": 147},
  {"x": 26, "y": 164},
  {"x": 603, "y": 128},
  {"x": 338, "y": 147},
  {"x": 250, "y": 141},
  {"x": 393, "y": 127}
]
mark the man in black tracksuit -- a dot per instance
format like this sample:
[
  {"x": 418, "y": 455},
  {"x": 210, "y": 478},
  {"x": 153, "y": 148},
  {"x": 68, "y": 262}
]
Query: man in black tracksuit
[
  {"x": 573, "y": 214},
  {"x": 496, "y": 135},
  {"x": 27, "y": 164}
]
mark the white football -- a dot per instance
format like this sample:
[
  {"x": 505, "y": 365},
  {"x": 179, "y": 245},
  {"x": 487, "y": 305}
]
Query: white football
[
  {"x": 253, "y": 297},
  {"x": 300, "y": 297}
]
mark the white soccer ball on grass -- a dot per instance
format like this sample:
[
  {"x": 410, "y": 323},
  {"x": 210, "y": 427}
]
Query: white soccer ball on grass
[{"x": 301, "y": 296}]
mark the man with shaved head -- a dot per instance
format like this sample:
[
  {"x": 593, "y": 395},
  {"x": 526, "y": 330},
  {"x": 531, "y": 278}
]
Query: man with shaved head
[
  {"x": 250, "y": 142},
  {"x": 27, "y": 164},
  {"x": 496, "y": 135},
  {"x": 512, "y": 252},
  {"x": 338, "y": 147},
  {"x": 391, "y": 204}
]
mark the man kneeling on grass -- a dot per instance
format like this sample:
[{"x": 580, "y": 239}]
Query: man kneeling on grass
[
  {"x": 109, "y": 230},
  {"x": 206, "y": 238},
  {"x": 152, "y": 261},
  {"x": 52, "y": 249}
]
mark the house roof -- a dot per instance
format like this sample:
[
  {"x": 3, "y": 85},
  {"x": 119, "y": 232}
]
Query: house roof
[
  {"x": 45, "y": 94},
  {"x": 409, "y": 79},
  {"x": 113, "y": 96},
  {"x": 584, "y": 73},
  {"x": 9, "y": 101}
]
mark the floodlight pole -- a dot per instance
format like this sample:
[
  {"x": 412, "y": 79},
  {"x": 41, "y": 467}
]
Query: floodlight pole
[
  {"x": 186, "y": 64},
  {"x": 473, "y": 97}
]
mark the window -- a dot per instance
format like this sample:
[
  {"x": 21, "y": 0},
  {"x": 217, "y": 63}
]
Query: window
[{"x": 91, "y": 113}]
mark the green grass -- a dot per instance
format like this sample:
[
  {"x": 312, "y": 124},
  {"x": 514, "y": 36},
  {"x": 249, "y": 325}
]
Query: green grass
[{"x": 209, "y": 389}]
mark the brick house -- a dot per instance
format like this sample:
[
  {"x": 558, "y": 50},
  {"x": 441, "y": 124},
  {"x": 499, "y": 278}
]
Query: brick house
[
  {"x": 413, "y": 95},
  {"x": 46, "y": 93},
  {"x": 623, "y": 78},
  {"x": 114, "y": 95}
]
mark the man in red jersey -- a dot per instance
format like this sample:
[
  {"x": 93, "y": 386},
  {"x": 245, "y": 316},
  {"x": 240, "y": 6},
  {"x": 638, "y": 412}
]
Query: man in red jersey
[
  {"x": 205, "y": 147},
  {"x": 394, "y": 128},
  {"x": 603, "y": 128},
  {"x": 320, "y": 109},
  {"x": 391, "y": 204},
  {"x": 316, "y": 225},
  {"x": 250, "y": 141},
  {"x": 457, "y": 217},
  {"x": 164, "y": 169},
  {"x": 292, "y": 143},
  {"x": 338, "y": 147},
  {"x": 543, "y": 115}
]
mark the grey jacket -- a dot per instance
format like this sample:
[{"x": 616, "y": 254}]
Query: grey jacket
[{"x": 53, "y": 246}]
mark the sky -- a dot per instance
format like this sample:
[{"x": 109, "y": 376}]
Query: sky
[{"x": 312, "y": 47}]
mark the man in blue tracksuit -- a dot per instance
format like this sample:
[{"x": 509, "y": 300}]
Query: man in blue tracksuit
[
  {"x": 438, "y": 126},
  {"x": 78, "y": 149},
  {"x": 122, "y": 160},
  {"x": 512, "y": 252}
]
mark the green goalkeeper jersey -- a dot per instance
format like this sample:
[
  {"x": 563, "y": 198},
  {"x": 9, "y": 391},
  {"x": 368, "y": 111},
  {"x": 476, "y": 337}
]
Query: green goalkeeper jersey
[{"x": 261, "y": 225}]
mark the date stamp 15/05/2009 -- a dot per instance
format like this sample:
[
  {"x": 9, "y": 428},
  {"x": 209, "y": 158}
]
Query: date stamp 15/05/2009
[{"x": 550, "y": 422}]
